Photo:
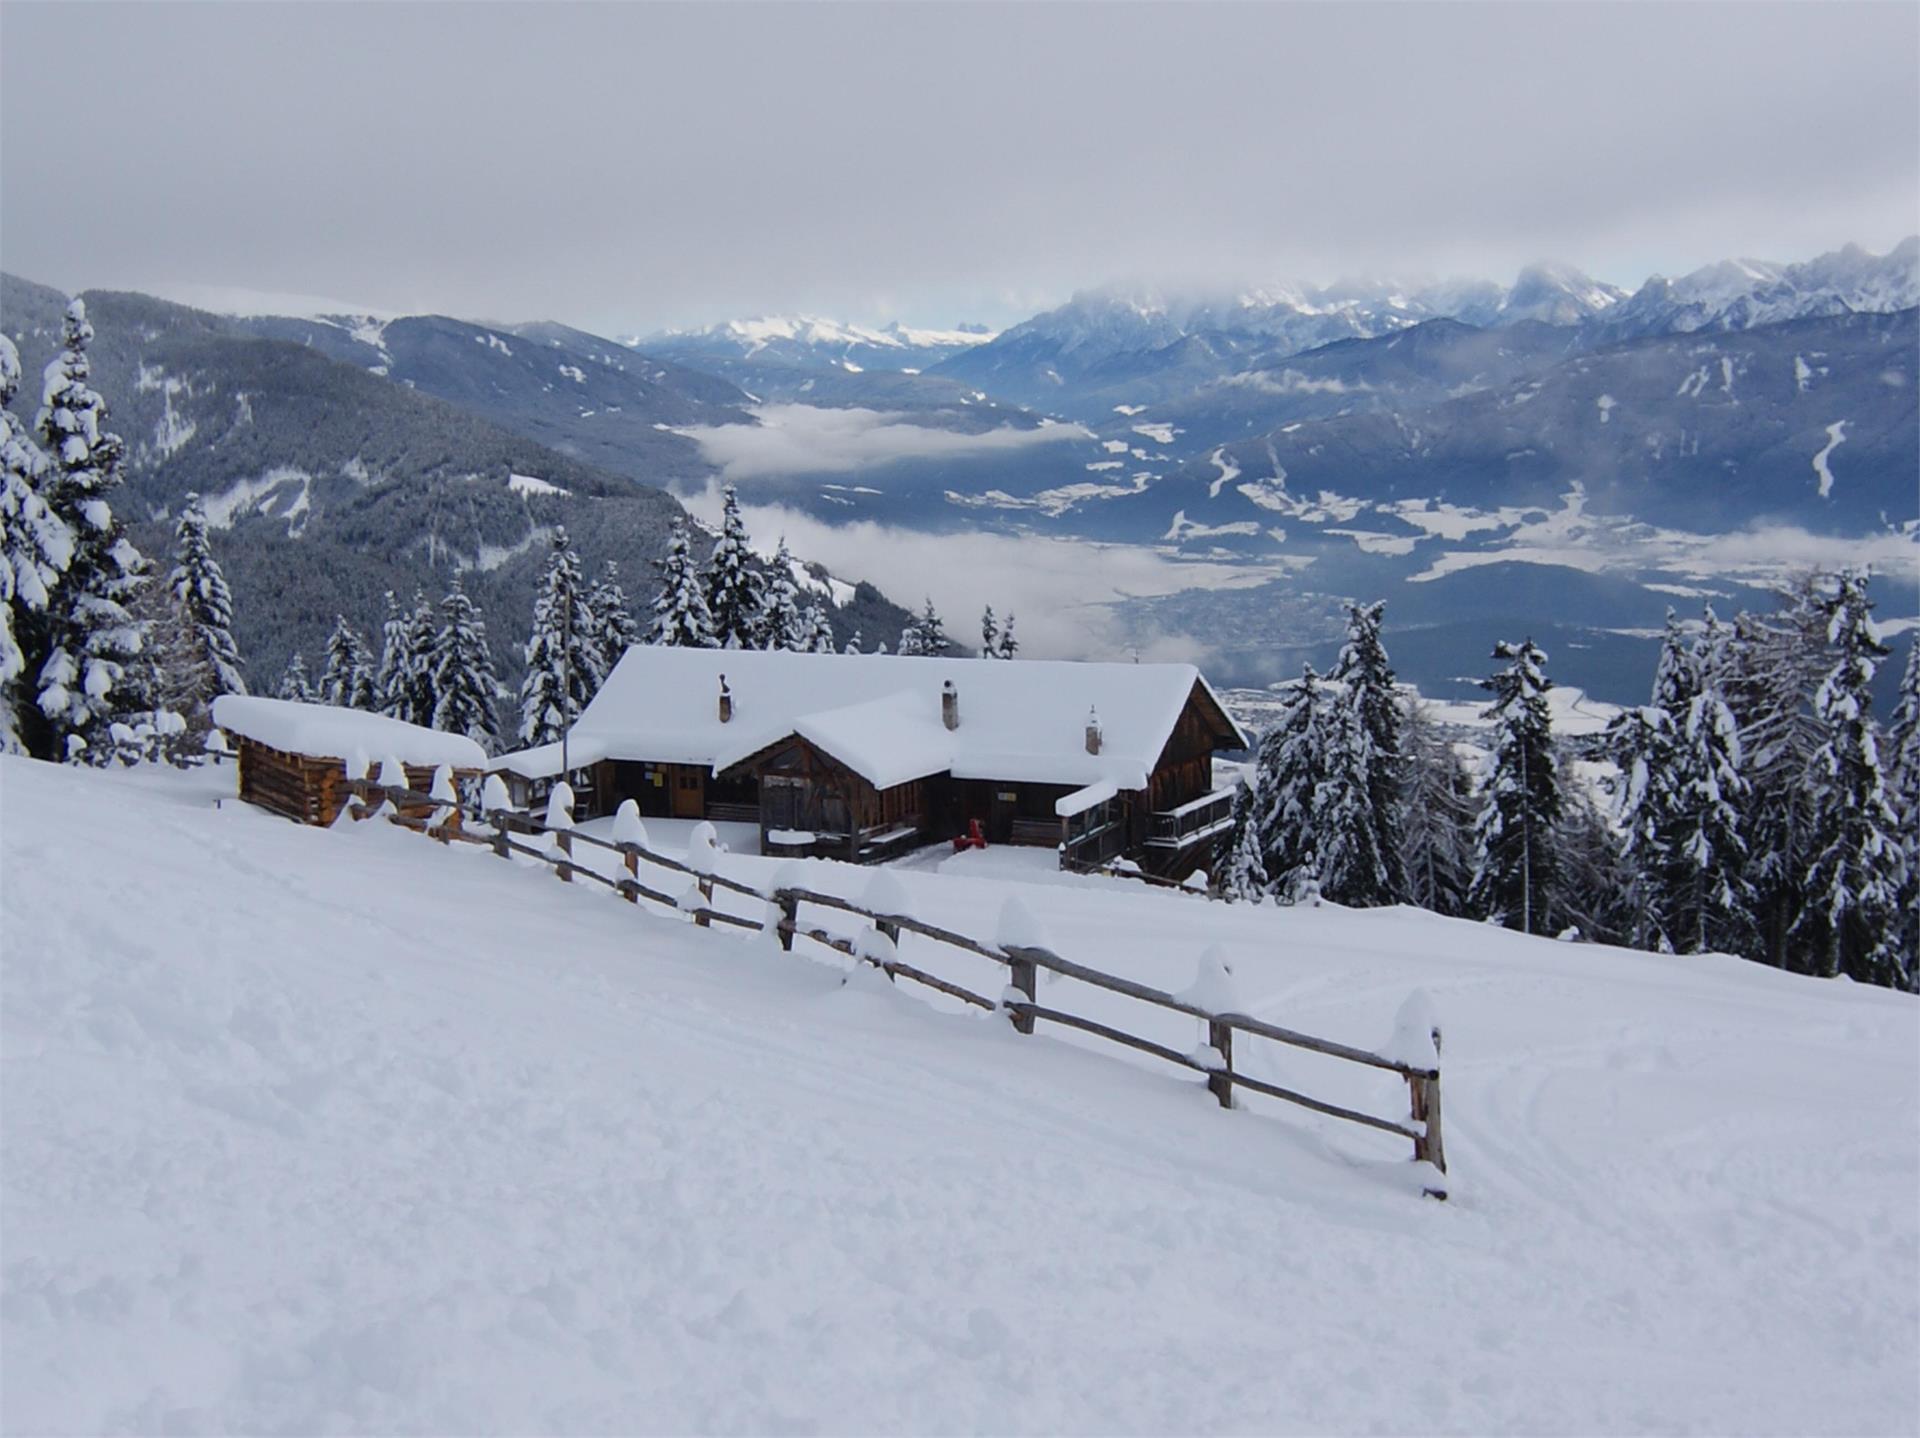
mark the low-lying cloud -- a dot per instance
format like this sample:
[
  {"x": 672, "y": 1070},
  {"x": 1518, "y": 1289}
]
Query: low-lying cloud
[
  {"x": 1062, "y": 592},
  {"x": 796, "y": 439}
]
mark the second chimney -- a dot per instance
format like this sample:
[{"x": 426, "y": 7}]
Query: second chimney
[
  {"x": 949, "y": 705},
  {"x": 726, "y": 701},
  {"x": 1093, "y": 731}
]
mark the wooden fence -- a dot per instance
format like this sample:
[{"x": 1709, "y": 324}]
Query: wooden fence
[{"x": 508, "y": 833}]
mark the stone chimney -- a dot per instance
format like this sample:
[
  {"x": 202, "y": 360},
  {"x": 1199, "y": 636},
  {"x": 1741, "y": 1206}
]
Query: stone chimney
[
  {"x": 726, "y": 701},
  {"x": 1093, "y": 731},
  {"x": 949, "y": 705}
]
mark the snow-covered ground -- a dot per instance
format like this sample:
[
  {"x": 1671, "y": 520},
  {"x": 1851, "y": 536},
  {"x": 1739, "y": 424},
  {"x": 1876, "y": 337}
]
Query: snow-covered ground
[{"x": 346, "y": 1131}]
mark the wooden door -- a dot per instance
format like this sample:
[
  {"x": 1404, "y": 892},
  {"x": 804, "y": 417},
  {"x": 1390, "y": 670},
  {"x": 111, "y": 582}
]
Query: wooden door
[{"x": 689, "y": 793}]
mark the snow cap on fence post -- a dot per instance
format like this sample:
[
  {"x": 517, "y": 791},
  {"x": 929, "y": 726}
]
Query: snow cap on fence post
[
  {"x": 216, "y": 743},
  {"x": 1018, "y": 928},
  {"x": 703, "y": 848},
  {"x": 627, "y": 828},
  {"x": 1416, "y": 1030},
  {"x": 494, "y": 797},
  {"x": 1213, "y": 987},
  {"x": 885, "y": 894},
  {"x": 444, "y": 795},
  {"x": 356, "y": 764},
  {"x": 393, "y": 774},
  {"x": 560, "y": 806}
]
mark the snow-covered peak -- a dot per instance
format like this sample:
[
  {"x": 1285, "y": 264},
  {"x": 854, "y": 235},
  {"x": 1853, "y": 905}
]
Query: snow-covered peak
[{"x": 813, "y": 339}]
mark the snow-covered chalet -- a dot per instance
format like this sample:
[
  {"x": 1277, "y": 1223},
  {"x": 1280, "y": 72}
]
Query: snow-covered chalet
[{"x": 862, "y": 756}]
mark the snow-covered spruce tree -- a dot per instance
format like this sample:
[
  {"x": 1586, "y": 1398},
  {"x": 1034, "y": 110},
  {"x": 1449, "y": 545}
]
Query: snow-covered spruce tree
[
  {"x": 910, "y": 642},
  {"x": 1009, "y": 646},
  {"x": 422, "y": 631},
  {"x": 1289, "y": 769},
  {"x": 817, "y": 630},
  {"x": 1367, "y": 679},
  {"x": 1437, "y": 810},
  {"x": 616, "y": 630},
  {"x": 733, "y": 583},
  {"x": 1595, "y": 896},
  {"x": 1244, "y": 879},
  {"x": 86, "y": 646},
  {"x": 464, "y": 682},
  {"x": 1774, "y": 664},
  {"x": 1848, "y": 923},
  {"x": 1516, "y": 870},
  {"x": 680, "y": 615},
  {"x": 933, "y": 635},
  {"x": 562, "y": 660},
  {"x": 1902, "y": 753},
  {"x": 294, "y": 684},
  {"x": 392, "y": 695},
  {"x": 853, "y": 644},
  {"x": 200, "y": 589},
  {"x": 1640, "y": 741},
  {"x": 1710, "y": 900},
  {"x": 35, "y": 547},
  {"x": 989, "y": 634},
  {"x": 781, "y": 624},
  {"x": 348, "y": 680},
  {"x": 1351, "y": 867}
]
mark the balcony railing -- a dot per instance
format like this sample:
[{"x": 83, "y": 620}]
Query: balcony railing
[{"x": 1194, "y": 822}]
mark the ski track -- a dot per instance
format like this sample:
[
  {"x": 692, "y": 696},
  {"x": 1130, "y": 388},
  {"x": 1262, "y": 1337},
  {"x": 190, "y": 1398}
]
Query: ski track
[{"x": 347, "y": 1131}]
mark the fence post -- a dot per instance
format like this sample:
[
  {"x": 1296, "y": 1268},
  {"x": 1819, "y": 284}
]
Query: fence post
[
  {"x": 704, "y": 920},
  {"x": 1022, "y": 976},
  {"x": 631, "y": 855},
  {"x": 789, "y": 917},
  {"x": 563, "y": 841},
  {"x": 499, "y": 821},
  {"x": 1430, "y": 1147},
  {"x": 1220, "y": 1085}
]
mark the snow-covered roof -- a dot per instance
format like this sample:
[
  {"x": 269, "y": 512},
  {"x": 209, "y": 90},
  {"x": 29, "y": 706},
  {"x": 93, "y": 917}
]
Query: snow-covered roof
[
  {"x": 324, "y": 731},
  {"x": 1022, "y": 721}
]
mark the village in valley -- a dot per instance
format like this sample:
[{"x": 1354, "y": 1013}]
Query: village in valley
[{"x": 519, "y": 913}]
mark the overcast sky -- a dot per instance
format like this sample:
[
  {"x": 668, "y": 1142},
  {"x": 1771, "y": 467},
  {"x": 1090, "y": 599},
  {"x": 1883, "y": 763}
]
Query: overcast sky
[{"x": 629, "y": 167}]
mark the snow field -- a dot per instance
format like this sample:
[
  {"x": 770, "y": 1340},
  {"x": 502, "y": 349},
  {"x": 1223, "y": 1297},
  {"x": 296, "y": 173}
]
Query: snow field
[{"x": 343, "y": 1130}]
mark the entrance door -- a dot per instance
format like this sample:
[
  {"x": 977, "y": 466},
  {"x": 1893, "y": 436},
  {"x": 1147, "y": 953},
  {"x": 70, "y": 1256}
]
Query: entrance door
[{"x": 689, "y": 793}]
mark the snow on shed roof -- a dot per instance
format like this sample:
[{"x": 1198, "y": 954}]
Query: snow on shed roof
[
  {"x": 324, "y": 731},
  {"x": 1022, "y": 721}
]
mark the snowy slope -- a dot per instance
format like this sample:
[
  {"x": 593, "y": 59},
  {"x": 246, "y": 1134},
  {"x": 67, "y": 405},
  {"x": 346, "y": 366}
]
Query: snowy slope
[{"x": 345, "y": 1131}]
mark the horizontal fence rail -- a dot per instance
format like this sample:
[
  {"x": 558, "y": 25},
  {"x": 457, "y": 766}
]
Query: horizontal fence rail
[{"x": 448, "y": 822}]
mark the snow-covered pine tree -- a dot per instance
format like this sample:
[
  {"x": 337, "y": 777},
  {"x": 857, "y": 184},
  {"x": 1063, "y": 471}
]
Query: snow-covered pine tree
[
  {"x": 348, "y": 680},
  {"x": 1009, "y": 646},
  {"x": 464, "y": 682},
  {"x": 1710, "y": 902},
  {"x": 615, "y": 629},
  {"x": 200, "y": 590},
  {"x": 422, "y": 631},
  {"x": 910, "y": 642},
  {"x": 1289, "y": 770},
  {"x": 1903, "y": 798},
  {"x": 561, "y": 658},
  {"x": 733, "y": 583},
  {"x": 1351, "y": 868},
  {"x": 853, "y": 644},
  {"x": 1437, "y": 811},
  {"x": 818, "y": 630},
  {"x": 781, "y": 623},
  {"x": 933, "y": 635},
  {"x": 35, "y": 547},
  {"x": 294, "y": 684},
  {"x": 1712, "y": 652},
  {"x": 1366, "y": 675},
  {"x": 86, "y": 646},
  {"x": 1594, "y": 899},
  {"x": 1849, "y": 924},
  {"x": 1516, "y": 869},
  {"x": 1774, "y": 663},
  {"x": 392, "y": 695},
  {"x": 1245, "y": 877},
  {"x": 989, "y": 635},
  {"x": 1640, "y": 741},
  {"x": 680, "y": 615}
]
